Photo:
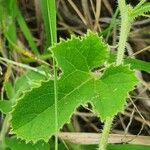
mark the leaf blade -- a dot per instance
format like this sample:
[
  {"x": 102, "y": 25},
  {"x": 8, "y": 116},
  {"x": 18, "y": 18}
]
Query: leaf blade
[
  {"x": 113, "y": 88},
  {"x": 76, "y": 86},
  {"x": 16, "y": 144},
  {"x": 5, "y": 106}
]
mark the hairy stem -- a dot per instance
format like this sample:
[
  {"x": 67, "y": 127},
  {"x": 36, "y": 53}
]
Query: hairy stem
[
  {"x": 105, "y": 134},
  {"x": 125, "y": 28}
]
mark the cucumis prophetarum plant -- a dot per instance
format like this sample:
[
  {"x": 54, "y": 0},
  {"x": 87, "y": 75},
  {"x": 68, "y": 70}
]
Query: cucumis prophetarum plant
[{"x": 43, "y": 109}]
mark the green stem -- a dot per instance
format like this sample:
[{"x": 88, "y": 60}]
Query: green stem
[
  {"x": 4, "y": 131},
  {"x": 51, "y": 8},
  {"x": 56, "y": 111},
  {"x": 105, "y": 134},
  {"x": 125, "y": 28}
]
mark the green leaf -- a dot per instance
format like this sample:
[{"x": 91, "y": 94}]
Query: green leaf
[
  {"x": 5, "y": 106},
  {"x": 25, "y": 30},
  {"x": 49, "y": 17},
  {"x": 141, "y": 10},
  {"x": 16, "y": 144},
  {"x": 24, "y": 83},
  {"x": 83, "y": 147},
  {"x": 110, "y": 147},
  {"x": 9, "y": 89},
  {"x": 113, "y": 88},
  {"x": 77, "y": 85},
  {"x": 127, "y": 147},
  {"x": 11, "y": 15},
  {"x": 138, "y": 64},
  {"x": 29, "y": 80},
  {"x": 134, "y": 63},
  {"x": 76, "y": 58},
  {"x": 43, "y": 8},
  {"x": 61, "y": 145}
]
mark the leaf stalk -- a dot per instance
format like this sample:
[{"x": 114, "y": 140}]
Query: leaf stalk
[{"x": 105, "y": 134}]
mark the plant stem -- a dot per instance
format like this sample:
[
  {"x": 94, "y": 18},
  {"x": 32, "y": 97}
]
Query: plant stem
[
  {"x": 125, "y": 28},
  {"x": 105, "y": 134},
  {"x": 51, "y": 8},
  {"x": 4, "y": 131},
  {"x": 24, "y": 66}
]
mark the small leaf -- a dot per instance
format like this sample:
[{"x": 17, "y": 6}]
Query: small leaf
[
  {"x": 25, "y": 30},
  {"x": 5, "y": 106},
  {"x": 9, "y": 90},
  {"x": 113, "y": 88},
  {"x": 28, "y": 81},
  {"x": 16, "y": 144},
  {"x": 141, "y": 10},
  {"x": 76, "y": 57},
  {"x": 136, "y": 64}
]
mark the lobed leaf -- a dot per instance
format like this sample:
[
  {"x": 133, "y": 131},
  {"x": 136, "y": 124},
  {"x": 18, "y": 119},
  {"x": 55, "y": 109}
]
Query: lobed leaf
[
  {"x": 76, "y": 57},
  {"x": 113, "y": 88},
  {"x": 77, "y": 85},
  {"x": 16, "y": 144}
]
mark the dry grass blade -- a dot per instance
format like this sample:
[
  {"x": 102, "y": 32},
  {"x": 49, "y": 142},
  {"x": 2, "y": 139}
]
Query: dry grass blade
[
  {"x": 77, "y": 11},
  {"x": 93, "y": 138}
]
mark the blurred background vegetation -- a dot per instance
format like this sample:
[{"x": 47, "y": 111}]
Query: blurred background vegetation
[{"x": 25, "y": 37}]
